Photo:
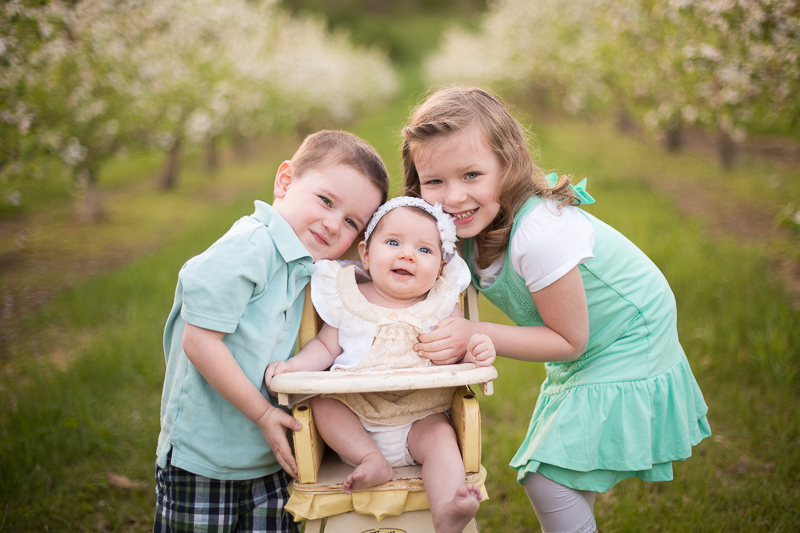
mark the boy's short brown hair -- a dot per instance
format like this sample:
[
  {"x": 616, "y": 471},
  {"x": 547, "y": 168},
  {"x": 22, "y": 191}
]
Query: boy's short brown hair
[{"x": 336, "y": 147}]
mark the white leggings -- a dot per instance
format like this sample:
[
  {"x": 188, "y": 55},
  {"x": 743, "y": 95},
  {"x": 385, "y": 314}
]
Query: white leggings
[{"x": 560, "y": 509}]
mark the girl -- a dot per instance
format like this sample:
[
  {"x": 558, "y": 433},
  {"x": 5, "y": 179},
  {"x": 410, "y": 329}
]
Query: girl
[
  {"x": 416, "y": 278},
  {"x": 619, "y": 399}
]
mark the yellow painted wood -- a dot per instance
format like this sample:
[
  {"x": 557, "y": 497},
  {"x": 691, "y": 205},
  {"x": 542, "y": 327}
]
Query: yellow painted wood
[
  {"x": 308, "y": 445},
  {"x": 466, "y": 419},
  {"x": 413, "y": 522},
  {"x": 469, "y": 303},
  {"x": 333, "y": 472},
  {"x": 310, "y": 323}
]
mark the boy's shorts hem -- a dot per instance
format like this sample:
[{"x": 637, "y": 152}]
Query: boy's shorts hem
[{"x": 187, "y": 502}]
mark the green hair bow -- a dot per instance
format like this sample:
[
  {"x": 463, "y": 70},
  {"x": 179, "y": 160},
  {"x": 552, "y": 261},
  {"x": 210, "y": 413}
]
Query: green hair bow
[{"x": 579, "y": 189}]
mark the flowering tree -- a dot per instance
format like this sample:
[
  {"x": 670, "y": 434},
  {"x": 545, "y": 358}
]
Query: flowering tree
[
  {"x": 740, "y": 58},
  {"x": 717, "y": 63},
  {"x": 82, "y": 79},
  {"x": 549, "y": 47},
  {"x": 60, "y": 84}
]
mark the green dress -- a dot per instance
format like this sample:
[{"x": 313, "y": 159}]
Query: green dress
[{"x": 629, "y": 405}]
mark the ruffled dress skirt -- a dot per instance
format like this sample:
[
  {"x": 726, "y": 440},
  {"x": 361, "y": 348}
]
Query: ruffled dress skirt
[{"x": 592, "y": 435}]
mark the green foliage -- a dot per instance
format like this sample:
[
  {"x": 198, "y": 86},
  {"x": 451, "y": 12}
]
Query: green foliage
[
  {"x": 80, "y": 390},
  {"x": 80, "y": 399}
]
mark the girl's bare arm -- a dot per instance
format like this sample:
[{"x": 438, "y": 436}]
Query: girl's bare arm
[{"x": 563, "y": 308}]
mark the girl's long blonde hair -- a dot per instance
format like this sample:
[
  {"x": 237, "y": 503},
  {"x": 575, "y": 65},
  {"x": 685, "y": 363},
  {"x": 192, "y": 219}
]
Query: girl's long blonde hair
[{"x": 455, "y": 108}]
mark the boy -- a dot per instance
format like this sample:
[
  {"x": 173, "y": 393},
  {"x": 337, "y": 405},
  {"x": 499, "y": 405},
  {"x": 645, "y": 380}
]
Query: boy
[{"x": 237, "y": 308}]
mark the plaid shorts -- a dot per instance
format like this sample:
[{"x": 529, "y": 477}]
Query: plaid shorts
[{"x": 186, "y": 502}]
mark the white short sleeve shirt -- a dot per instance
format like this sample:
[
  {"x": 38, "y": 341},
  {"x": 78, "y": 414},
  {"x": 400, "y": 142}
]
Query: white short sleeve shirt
[{"x": 549, "y": 242}]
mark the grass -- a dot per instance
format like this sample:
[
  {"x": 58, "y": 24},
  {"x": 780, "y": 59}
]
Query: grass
[
  {"x": 81, "y": 390},
  {"x": 81, "y": 378}
]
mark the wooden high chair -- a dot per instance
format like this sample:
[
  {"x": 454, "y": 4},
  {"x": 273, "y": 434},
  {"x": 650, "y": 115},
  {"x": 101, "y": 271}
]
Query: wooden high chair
[{"x": 400, "y": 505}]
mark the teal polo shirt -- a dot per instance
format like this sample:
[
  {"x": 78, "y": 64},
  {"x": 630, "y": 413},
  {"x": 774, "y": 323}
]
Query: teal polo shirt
[{"x": 249, "y": 285}]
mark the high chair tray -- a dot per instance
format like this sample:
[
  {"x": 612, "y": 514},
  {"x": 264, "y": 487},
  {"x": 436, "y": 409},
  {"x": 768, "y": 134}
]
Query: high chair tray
[{"x": 312, "y": 383}]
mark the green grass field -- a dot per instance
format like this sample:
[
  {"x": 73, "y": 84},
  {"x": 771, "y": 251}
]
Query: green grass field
[
  {"x": 81, "y": 374},
  {"x": 80, "y": 390}
]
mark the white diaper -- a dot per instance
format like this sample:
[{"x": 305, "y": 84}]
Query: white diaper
[{"x": 392, "y": 441}]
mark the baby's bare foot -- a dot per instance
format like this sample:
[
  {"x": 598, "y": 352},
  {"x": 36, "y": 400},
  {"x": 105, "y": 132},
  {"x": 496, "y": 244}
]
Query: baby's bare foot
[
  {"x": 453, "y": 516},
  {"x": 373, "y": 470}
]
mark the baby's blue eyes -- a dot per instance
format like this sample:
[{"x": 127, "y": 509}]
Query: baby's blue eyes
[
  {"x": 471, "y": 175},
  {"x": 422, "y": 249}
]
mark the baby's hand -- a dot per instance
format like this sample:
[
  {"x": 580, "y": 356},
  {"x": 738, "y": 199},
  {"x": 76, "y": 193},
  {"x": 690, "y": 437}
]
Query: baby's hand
[
  {"x": 274, "y": 369},
  {"x": 480, "y": 350}
]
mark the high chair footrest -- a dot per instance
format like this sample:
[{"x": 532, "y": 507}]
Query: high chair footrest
[{"x": 333, "y": 472}]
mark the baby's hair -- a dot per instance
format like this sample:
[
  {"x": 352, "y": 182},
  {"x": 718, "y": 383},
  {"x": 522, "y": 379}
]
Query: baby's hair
[
  {"x": 335, "y": 147},
  {"x": 454, "y": 109},
  {"x": 417, "y": 210}
]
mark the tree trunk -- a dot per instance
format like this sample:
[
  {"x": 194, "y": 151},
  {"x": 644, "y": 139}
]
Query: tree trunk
[
  {"x": 625, "y": 122},
  {"x": 673, "y": 136},
  {"x": 241, "y": 146},
  {"x": 89, "y": 205},
  {"x": 212, "y": 155},
  {"x": 727, "y": 150},
  {"x": 169, "y": 175}
]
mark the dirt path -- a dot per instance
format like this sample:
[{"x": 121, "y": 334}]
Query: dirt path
[{"x": 725, "y": 216}]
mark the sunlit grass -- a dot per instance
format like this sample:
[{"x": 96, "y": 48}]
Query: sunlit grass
[{"x": 80, "y": 395}]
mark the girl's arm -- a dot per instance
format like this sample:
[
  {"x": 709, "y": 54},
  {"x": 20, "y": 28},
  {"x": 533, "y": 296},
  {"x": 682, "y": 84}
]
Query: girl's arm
[
  {"x": 317, "y": 354},
  {"x": 563, "y": 308},
  {"x": 215, "y": 362}
]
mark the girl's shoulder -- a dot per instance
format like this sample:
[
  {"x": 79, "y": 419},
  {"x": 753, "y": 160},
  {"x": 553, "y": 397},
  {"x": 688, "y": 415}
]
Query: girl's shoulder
[
  {"x": 549, "y": 241},
  {"x": 550, "y": 224}
]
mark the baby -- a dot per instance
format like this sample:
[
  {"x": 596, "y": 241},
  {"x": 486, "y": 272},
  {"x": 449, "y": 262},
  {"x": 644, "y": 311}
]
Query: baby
[{"x": 416, "y": 278}]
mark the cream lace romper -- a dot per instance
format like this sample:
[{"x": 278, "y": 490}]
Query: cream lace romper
[{"x": 378, "y": 338}]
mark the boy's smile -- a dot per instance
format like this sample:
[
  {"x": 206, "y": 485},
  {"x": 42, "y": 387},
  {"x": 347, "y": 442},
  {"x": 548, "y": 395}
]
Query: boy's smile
[
  {"x": 461, "y": 172},
  {"x": 327, "y": 207}
]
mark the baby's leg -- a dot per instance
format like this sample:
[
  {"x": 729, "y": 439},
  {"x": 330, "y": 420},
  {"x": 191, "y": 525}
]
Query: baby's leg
[
  {"x": 341, "y": 429},
  {"x": 432, "y": 442}
]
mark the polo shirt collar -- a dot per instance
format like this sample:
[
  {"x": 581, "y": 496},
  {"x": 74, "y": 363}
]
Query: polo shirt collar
[{"x": 284, "y": 237}]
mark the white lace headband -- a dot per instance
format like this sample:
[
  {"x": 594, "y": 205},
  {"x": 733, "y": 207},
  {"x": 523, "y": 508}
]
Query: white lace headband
[{"x": 444, "y": 222}]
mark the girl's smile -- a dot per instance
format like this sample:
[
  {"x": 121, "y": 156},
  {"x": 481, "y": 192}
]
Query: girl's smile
[
  {"x": 465, "y": 217},
  {"x": 462, "y": 173}
]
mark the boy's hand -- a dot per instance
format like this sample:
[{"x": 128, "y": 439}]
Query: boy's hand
[
  {"x": 274, "y": 369},
  {"x": 273, "y": 424},
  {"x": 480, "y": 350}
]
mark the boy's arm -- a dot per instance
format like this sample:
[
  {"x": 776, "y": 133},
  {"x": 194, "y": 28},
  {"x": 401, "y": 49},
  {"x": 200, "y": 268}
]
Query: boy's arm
[{"x": 215, "y": 362}]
